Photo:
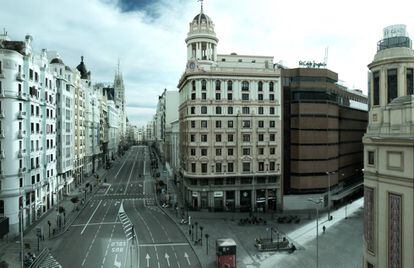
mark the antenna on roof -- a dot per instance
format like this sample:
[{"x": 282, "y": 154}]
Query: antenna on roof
[
  {"x": 326, "y": 57},
  {"x": 201, "y": 1},
  {"x": 119, "y": 66}
]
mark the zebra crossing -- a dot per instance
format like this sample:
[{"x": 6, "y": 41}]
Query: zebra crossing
[
  {"x": 126, "y": 225},
  {"x": 50, "y": 262}
]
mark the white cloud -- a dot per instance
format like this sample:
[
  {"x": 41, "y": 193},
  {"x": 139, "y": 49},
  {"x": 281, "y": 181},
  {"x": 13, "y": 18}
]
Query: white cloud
[{"x": 152, "y": 51}]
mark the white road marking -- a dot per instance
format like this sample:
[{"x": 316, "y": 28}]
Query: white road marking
[
  {"x": 117, "y": 263},
  {"x": 167, "y": 258},
  {"x": 187, "y": 257},
  {"x": 95, "y": 223},
  {"x": 129, "y": 178},
  {"x": 164, "y": 245},
  {"x": 108, "y": 189},
  {"x": 148, "y": 258},
  {"x": 83, "y": 230}
]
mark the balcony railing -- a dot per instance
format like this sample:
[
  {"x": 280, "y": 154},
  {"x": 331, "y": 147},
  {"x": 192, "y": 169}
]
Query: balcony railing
[
  {"x": 21, "y": 115},
  {"x": 20, "y": 76}
]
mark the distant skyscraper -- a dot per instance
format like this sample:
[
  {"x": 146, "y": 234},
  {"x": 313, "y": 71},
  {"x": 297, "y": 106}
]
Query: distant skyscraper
[{"x": 389, "y": 154}]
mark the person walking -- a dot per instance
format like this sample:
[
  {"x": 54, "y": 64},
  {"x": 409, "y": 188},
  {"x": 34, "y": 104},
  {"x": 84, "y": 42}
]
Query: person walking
[{"x": 324, "y": 229}]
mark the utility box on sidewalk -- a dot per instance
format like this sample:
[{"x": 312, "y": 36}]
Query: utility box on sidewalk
[{"x": 226, "y": 253}]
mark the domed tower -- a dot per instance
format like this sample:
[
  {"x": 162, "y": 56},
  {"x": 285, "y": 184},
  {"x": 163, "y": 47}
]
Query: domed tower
[
  {"x": 201, "y": 41},
  {"x": 83, "y": 71}
]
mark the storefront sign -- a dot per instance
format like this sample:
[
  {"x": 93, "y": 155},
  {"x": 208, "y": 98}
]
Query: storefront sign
[
  {"x": 195, "y": 194},
  {"x": 218, "y": 194}
]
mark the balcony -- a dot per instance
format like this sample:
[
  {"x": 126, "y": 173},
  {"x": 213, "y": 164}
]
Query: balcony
[
  {"x": 21, "y": 171},
  {"x": 21, "y": 95},
  {"x": 20, "y": 154},
  {"x": 2, "y": 156},
  {"x": 2, "y": 136},
  {"x": 2, "y": 94},
  {"x": 21, "y": 134},
  {"x": 20, "y": 77},
  {"x": 2, "y": 114},
  {"x": 1, "y": 74},
  {"x": 21, "y": 115}
]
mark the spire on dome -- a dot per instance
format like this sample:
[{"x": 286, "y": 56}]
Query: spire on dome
[{"x": 201, "y": 1}]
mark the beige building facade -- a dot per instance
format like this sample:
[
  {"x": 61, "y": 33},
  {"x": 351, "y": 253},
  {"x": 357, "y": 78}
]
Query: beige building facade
[
  {"x": 388, "y": 154},
  {"x": 230, "y": 126}
]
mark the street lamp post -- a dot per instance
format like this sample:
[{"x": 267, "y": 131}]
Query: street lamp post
[
  {"x": 329, "y": 194},
  {"x": 196, "y": 230},
  {"x": 192, "y": 232},
  {"x": 207, "y": 236},
  {"x": 201, "y": 234},
  {"x": 317, "y": 227}
]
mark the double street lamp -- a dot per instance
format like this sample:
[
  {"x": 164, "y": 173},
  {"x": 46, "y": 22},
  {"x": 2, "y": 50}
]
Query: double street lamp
[{"x": 317, "y": 203}]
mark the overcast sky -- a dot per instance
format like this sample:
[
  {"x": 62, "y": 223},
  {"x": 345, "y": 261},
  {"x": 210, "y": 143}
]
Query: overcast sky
[{"x": 148, "y": 36}]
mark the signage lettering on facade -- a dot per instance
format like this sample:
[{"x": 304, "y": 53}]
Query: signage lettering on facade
[
  {"x": 218, "y": 194},
  {"x": 395, "y": 30}
]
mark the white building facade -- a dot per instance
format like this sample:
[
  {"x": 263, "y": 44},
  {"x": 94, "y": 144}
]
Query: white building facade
[
  {"x": 230, "y": 127},
  {"x": 389, "y": 154},
  {"x": 27, "y": 133}
]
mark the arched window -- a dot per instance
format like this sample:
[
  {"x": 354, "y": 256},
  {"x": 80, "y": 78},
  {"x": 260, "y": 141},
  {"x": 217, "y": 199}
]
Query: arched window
[
  {"x": 203, "y": 85},
  {"x": 260, "y": 86},
  {"x": 245, "y": 86},
  {"x": 271, "y": 87},
  {"x": 193, "y": 85},
  {"x": 229, "y": 85},
  {"x": 218, "y": 85}
]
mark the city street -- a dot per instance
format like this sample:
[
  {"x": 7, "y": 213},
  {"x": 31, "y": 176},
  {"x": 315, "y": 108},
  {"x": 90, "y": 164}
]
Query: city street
[{"x": 123, "y": 227}]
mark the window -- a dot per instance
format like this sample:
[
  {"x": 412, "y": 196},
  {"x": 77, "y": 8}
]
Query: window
[
  {"x": 272, "y": 110},
  {"x": 218, "y": 124},
  {"x": 272, "y": 165},
  {"x": 193, "y": 85},
  {"x": 193, "y": 96},
  {"x": 271, "y": 87},
  {"x": 204, "y": 138},
  {"x": 272, "y": 123},
  {"x": 203, "y": 167},
  {"x": 230, "y": 137},
  {"x": 261, "y": 124},
  {"x": 218, "y": 96},
  {"x": 392, "y": 84},
  {"x": 218, "y": 152},
  {"x": 203, "y": 85},
  {"x": 261, "y": 166},
  {"x": 230, "y": 151},
  {"x": 261, "y": 137},
  {"x": 192, "y": 110},
  {"x": 229, "y": 96},
  {"x": 261, "y": 110},
  {"x": 218, "y": 181},
  {"x": 193, "y": 168},
  {"x": 218, "y": 110},
  {"x": 230, "y": 110},
  {"x": 260, "y": 86},
  {"x": 260, "y": 97},
  {"x": 272, "y": 97},
  {"x": 371, "y": 158},
  {"x": 272, "y": 150},
  {"x": 261, "y": 151},
  {"x": 218, "y": 168},
  {"x": 218, "y": 85},
  {"x": 229, "y": 85},
  {"x": 192, "y": 152},
  {"x": 376, "y": 84},
  {"x": 245, "y": 86},
  {"x": 192, "y": 124},
  {"x": 204, "y": 124},
  {"x": 203, "y": 109},
  {"x": 246, "y": 151},
  {"x": 246, "y": 124},
  {"x": 246, "y": 168},
  {"x": 230, "y": 124},
  {"x": 272, "y": 137},
  {"x": 245, "y": 110},
  {"x": 245, "y": 97},
  {"x": 246, "y": 138},
  {"x": 203, "y": 96},
  {"x": 410, "y": 81},
  {"x": 230, "y": 168},
  {"x": 218, "y": 137}
]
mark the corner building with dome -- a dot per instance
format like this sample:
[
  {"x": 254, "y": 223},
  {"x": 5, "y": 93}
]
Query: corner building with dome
[{"x": 230, "y": 126}]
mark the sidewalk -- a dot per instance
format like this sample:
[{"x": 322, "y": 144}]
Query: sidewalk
[{"x": 10, "y": 249}]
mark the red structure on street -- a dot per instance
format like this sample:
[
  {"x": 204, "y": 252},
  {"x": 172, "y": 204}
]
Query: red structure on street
[{"x": 226, "y": 253}]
